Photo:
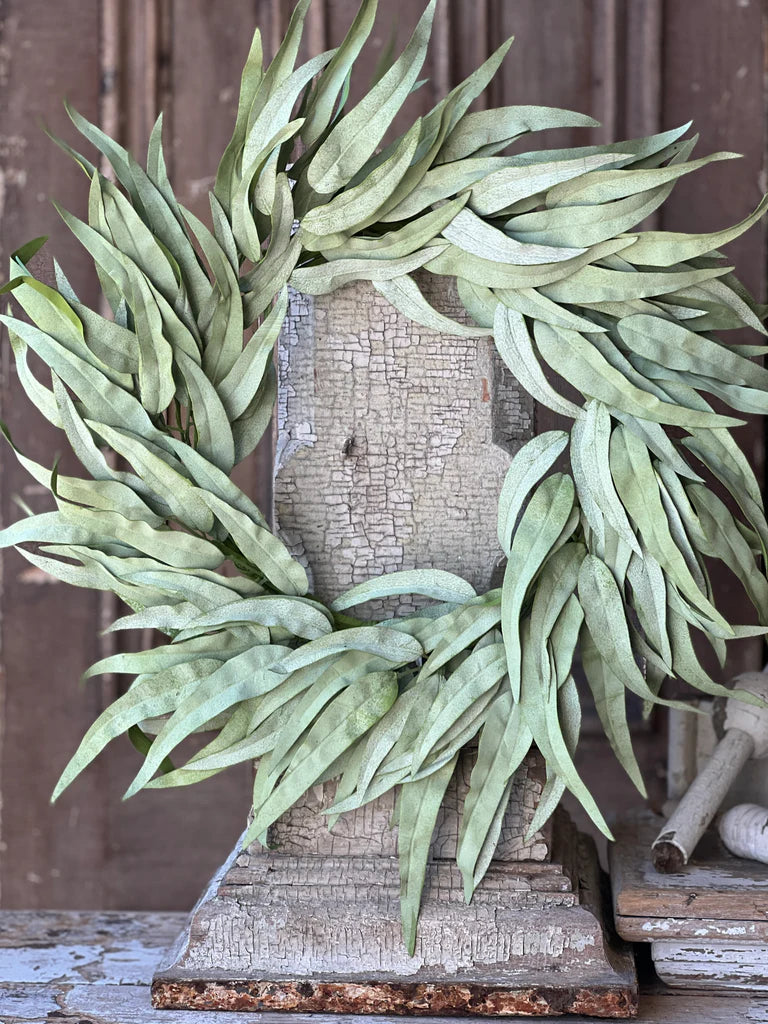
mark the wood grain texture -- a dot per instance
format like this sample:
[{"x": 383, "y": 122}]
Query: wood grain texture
[
  {"x": 48, "y": 637},
  {"x": 714, "y": 885},
  {"x": 706, "y": 964}
]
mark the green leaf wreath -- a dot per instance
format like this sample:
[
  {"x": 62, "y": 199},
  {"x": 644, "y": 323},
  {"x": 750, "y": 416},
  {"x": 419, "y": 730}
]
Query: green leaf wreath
[{"x": 179, "y": 382}]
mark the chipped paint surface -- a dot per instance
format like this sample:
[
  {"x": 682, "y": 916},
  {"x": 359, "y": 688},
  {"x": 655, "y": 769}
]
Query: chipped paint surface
[
  {"x": 107, "y": 1002},
  {"x": 393, "y": 440}
]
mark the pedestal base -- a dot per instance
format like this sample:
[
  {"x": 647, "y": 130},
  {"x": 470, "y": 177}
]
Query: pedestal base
[{"x": 322, "y": 934}]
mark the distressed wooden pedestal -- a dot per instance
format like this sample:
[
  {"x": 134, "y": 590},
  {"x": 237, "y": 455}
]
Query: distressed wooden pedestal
[{"x": 393, "y": 443}]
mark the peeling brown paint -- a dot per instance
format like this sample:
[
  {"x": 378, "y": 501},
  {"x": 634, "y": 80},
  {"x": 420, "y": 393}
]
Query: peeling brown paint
[{"x": 420, "y": 1000}]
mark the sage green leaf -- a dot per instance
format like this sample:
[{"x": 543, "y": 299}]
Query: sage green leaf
[
  {"x": 528, "y": 466},
  {"x": 531, "y": 303},
  {"x": 686, "y": 663},
  {"x": 718, "y": 451},
  {"x": 504, "y": 742},
  {"x": 649, "y": 599},
  {"x": 239, "y": 387},
  {"x": 156, "y": 383},
  {"x": 244, "y": 229},
  {"x": 158, "y": 659},
  {"x": 115, "y": 153},
  {"x": 102, "y": 399},
  {"x": 299, "y": 616},
  {"x": 454, "y": 262},
  {"x": 131, "y": 236},
  {"x": 673, "y": 345},
  {"x": 166, "y": 618},
  {"x": 51, "y": 527},
  {"x": 557, "y": 582},
  {"x": 724, "y": 540},
  {"x": 454, "y": 632},
  {"x": 590, "y": 441},
  {"x": 664, "y": 248},
  {"x": 224, "y": 333},
  {"x": 114, "y": 345},
  {"x": 540, "y": 708},
  {"x": 563, "y": 639},
  {"x": 480, "y": 302},
  {"x": 326, "y": 681},
  {"x": 48, "y": 310},
  {"x": 210, "y": 478},
  {"x": 381, "y": 739},
  {"x": 326, "y": 277},
  {"x": 399, "y": 648},
  {"x": 249, "y": 83},
  {"x": 610, "y": 703},
  {"x": 434, "y": 583},
  {"x": 213, "y": 434},
  {"x": 267, "y": 278},
  {"x": 355, "y": 137},
  {"x": 460, "y": 98},
  {"x": 258, "y": 89},
  {"x": 605, "y": 619},
  {"x": 168, "y": 227},
  {"x": 260, "y": 547},
  {"x": 247, "y": 675},
  {"x": 348, "y": 717},
  {"x": 320, "y": 108},
  {"x": 598, "y": 284},
  {"x": 92, "y": 576},
  {"x": 413, "y": 235},
  {"x": 248, "y": 429},
  {"x": 419, "y": 806},
  {"x": 543, "y": 521},
  {"x": 608, "y": 185},
  {"x": 477, "y": 674},
  {"x": 562, "y": 225},
  {"x": 472, "y": 234},
  {"x": 680, "y": 534},
  {"x": 275, "y": 113},
  {"x": 78, "y": 435},
  {"x": 185, "y": 500},
  {"x": 638, "y": 489},
  {"x": 674, "y": 491},
  {"x": 509, "y": 185},
  {"x": 514, "y": 345},
  {"x": 590, "y": 372},
  {"x": 717, "y": 297},
  {"x": 488, "y": 130},
  {"x": 442, "y": 182},
  {"x": 569, "y": 716},
  {"x": 148, "y": 697},
  {"x": 356, "y": 207},
  {"x": 173, "y": 547},
  {"x": 41, "y": 397},
  {"x": 657, "y": 441},
  {"x": 404, "y": 294}
]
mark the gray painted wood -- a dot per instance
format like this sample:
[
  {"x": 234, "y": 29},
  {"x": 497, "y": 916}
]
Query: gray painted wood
[
  {"x": 707, "y": 924},
  {"x": 97, "y": 987},
  {"x": 393, "y": 441}
]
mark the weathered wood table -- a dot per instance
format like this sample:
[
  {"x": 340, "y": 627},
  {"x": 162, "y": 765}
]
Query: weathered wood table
[{"x": 95, "y": 968}]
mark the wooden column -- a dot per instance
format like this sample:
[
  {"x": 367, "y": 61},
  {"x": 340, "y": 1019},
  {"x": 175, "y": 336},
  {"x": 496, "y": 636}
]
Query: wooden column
[{"x": 392, "y": 444}]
